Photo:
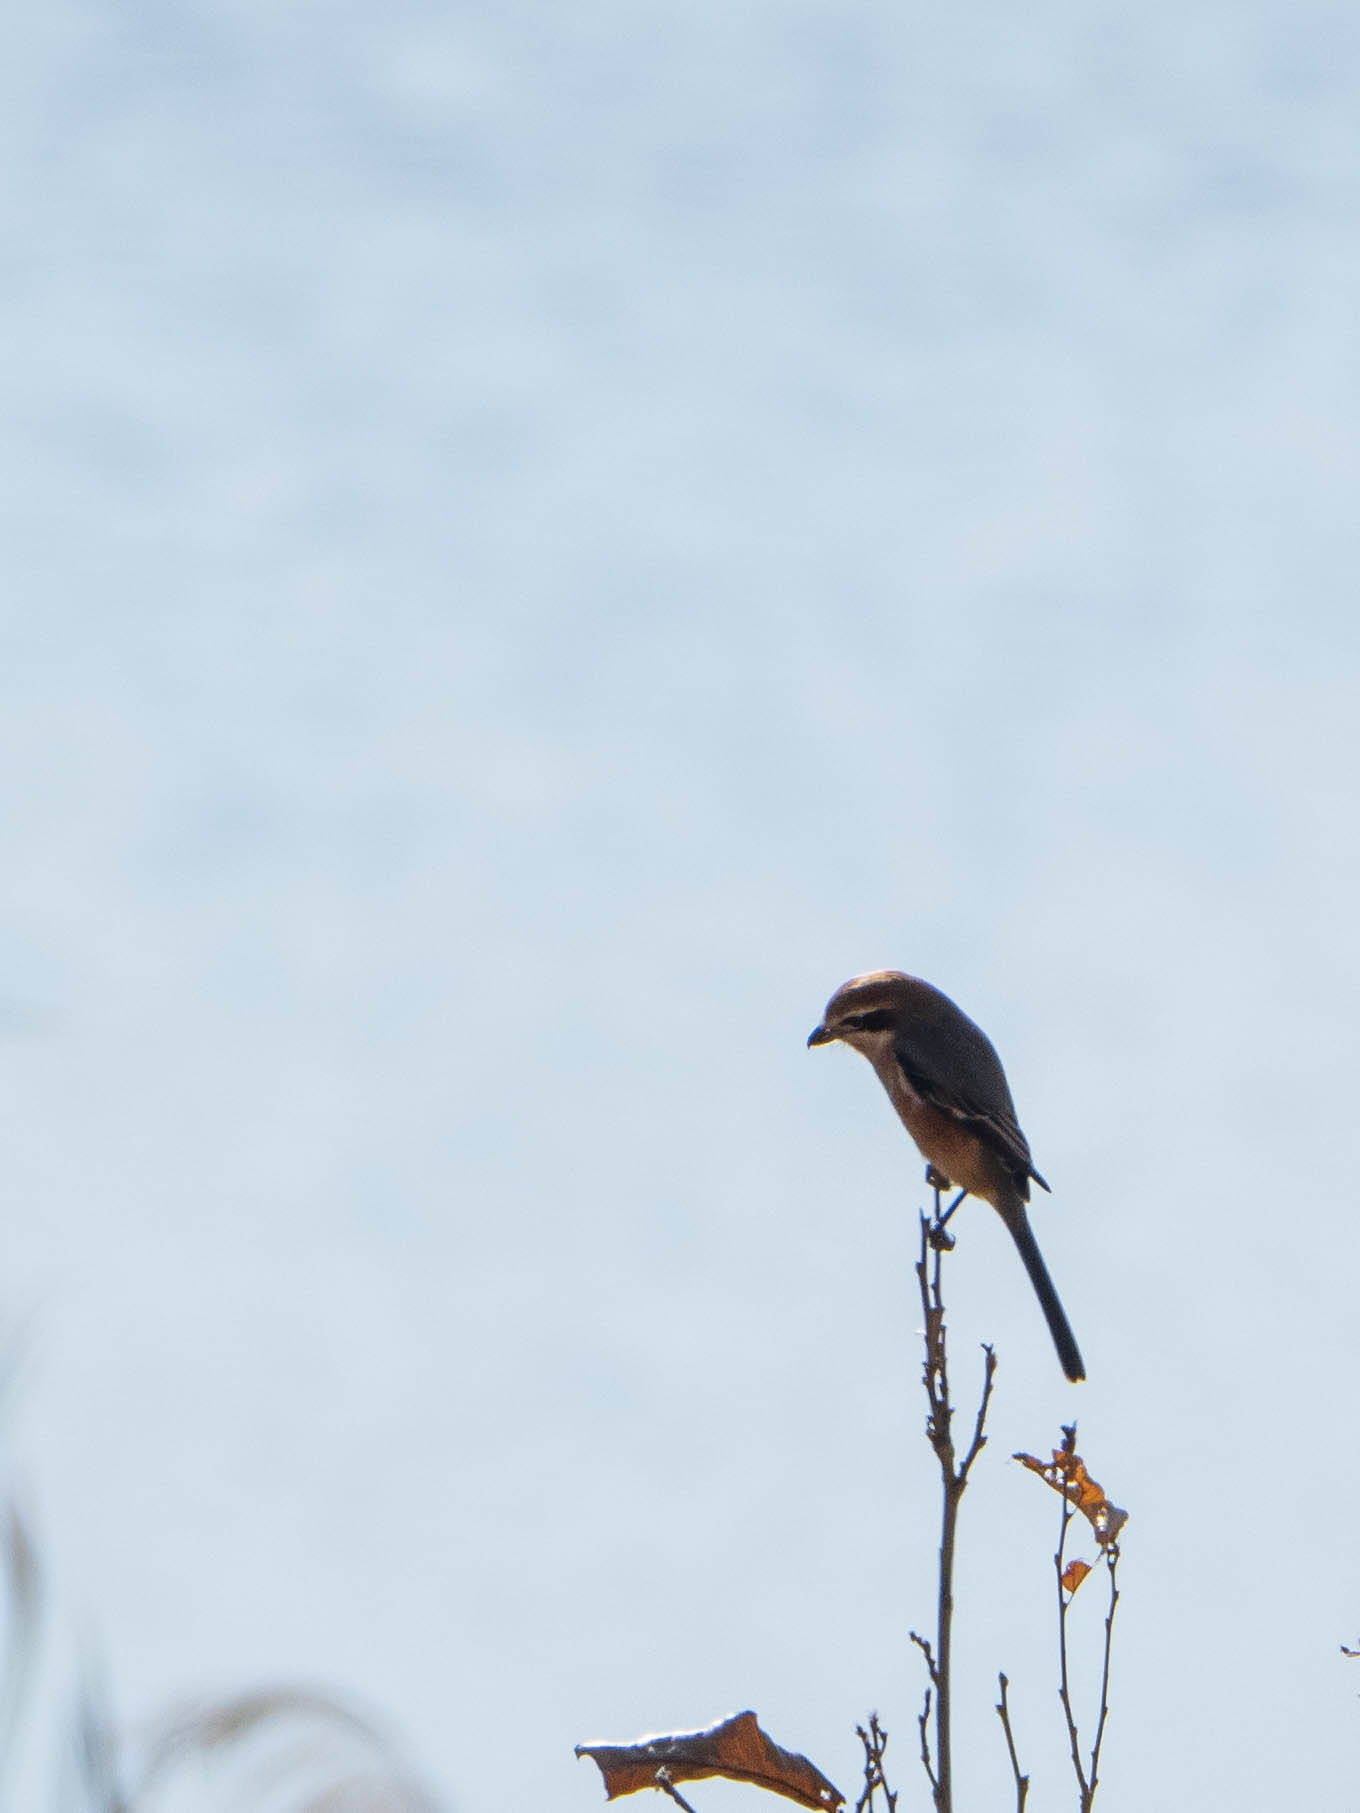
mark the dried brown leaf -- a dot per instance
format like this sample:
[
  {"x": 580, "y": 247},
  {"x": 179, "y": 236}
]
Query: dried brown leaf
[
  {"x": 1066, "y": 1473},
  {"x": 1073, "y": 1575},
  {"x": 736, "y": 1749}
]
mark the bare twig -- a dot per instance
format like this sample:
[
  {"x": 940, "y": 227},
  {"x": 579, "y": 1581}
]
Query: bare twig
[
  {"x": 923, "y": 1644},
  {"x": 875, "y": 1742},
  {"x": 923, "y": 1721},
  {"x": 667, "y": 1786},
  {"x": 1088, "y": 1775},
  {"x": 954, "y": 1480},
  {"x": 1064, "y": 1600},
  {"x": 1112, "y": 1568},
  {"x": 923, "y": 1726},
  {"x": 1021, "y": 1781}
]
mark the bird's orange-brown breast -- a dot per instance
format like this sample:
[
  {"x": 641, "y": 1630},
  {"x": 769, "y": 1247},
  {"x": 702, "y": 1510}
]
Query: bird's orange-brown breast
[{"x": 951, "y": 1145}]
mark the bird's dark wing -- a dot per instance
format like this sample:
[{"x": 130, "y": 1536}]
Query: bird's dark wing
[{"x": 955, "y": 1068}]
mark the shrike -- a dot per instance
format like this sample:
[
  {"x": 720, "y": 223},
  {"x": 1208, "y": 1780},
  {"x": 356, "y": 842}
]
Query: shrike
[{"x": 945, "y": 1080}]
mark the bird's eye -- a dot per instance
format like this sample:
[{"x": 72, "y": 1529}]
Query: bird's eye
[{"x": 878, "y": 1021}]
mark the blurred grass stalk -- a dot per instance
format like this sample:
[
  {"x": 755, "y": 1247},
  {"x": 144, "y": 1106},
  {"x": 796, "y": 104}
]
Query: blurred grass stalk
[{"x": 285, "y": 1749}]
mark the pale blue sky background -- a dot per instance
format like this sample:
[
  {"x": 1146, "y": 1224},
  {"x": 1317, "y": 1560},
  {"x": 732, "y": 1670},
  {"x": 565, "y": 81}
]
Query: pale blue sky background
[{"x": 536, "y": 541}]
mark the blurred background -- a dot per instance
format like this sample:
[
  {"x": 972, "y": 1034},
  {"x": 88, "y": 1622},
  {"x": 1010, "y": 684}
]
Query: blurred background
[{"x": 537, "y": 541}]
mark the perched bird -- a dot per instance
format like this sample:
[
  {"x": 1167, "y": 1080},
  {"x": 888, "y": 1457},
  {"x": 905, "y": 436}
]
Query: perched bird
[{"x": 945, "y": 1080}]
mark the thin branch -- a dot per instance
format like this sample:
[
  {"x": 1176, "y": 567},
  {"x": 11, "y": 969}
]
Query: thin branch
[
  {"x": 979, "y": 1441},
  {"x": 1021, "y": 1781},
  {"x": 936, "y": 1241},
  {"x": 875, "y": 1742},
  {"x": 1075, "y": 1488},
  {"x": 1064, "y": 1600},
  {"x": 667, "y": 1786},
  {"x": 923, "y": 1724},
  {"x": 1112, "y": 1563},
  {"x": 929, "y": 1655}
]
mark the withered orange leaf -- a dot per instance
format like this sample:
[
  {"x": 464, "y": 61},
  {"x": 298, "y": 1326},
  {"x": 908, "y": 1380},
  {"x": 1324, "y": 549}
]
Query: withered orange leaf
[
  {"x": 736, "y": 1748},
  {"x": 1073, "y": 1575},
  {"x": 1066, "y": 1473}
]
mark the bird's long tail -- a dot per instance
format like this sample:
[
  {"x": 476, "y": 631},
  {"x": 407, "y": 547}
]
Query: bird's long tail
[{"x": 1058, "y": 1326}]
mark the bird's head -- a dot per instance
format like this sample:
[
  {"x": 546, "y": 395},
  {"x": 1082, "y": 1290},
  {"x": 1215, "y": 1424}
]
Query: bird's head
[{"x": 864, "y": 1009}]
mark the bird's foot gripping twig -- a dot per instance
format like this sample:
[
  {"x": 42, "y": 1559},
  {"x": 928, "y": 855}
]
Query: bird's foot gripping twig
[{"x": 940, "y": 1241}]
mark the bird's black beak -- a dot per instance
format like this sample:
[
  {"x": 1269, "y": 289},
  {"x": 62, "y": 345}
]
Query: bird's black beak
[{"x": 821, "y": 1035}]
